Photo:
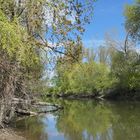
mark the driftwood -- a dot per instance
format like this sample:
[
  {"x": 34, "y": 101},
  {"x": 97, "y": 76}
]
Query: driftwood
[
  {"x": 30, "y": 113},
  {"x": 25, "y": 112},
  {"x": 34, "y": 103},
  {"x": 101, "y": 97},
  {"x": 48, "y": 104}
]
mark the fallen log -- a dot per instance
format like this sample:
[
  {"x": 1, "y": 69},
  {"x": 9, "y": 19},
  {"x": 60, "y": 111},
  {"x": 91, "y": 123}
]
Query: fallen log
[
  {"x": 25, "y": 112},
  {"x": 48, "y": 111},
  {"x": 48, "y": 104},
  {"x": 30, "y": 113},
  {"x": 33, "y": 102}
]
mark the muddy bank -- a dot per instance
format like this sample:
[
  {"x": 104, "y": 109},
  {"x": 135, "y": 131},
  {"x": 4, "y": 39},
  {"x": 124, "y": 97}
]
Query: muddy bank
[{"x": 9, "y": 134}]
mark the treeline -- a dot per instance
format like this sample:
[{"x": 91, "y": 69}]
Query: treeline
[{"x": 112, "y": 72}]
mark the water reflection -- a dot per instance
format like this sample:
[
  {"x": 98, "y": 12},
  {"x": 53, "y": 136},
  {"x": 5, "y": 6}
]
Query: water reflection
[{"x": 85, "y": 120}]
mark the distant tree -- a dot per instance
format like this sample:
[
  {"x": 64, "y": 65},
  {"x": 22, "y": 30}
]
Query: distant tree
[{"x": 103, "y": 54}]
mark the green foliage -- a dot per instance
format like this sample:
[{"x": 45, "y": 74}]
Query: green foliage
[
  {"x": 126, "y": 68},
  {"x": 89, "y": 78},
  {"x": 84, "y": 78},
  {"x": 132, "y": 13},
  {"x": 15, "y": 43},
  {"x": 14, "y": 40}
]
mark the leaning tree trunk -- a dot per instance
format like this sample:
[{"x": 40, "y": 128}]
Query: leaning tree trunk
[
  {"x": 7, "y": 88},
  {"x": 9, "y": 76}
]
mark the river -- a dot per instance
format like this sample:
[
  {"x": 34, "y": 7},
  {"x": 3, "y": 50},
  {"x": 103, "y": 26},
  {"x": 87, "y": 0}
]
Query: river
[{"x": 84, "y": 120}]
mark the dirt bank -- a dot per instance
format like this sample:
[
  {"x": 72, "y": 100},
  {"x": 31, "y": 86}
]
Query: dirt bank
[{"x": 8, "y": 134}]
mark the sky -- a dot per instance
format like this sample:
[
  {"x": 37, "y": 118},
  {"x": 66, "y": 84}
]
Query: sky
[{"x": 108, "y": 17}]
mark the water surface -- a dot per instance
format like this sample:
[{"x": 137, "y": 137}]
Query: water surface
[{"x": 85, "y": 120}]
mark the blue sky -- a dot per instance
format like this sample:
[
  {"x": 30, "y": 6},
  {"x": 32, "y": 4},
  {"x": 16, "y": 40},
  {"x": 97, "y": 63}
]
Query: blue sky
[{"x": 108, "y": 17}]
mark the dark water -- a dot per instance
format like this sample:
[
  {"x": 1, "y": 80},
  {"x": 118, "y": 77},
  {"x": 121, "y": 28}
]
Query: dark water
[{"x": 85, "y": 120}]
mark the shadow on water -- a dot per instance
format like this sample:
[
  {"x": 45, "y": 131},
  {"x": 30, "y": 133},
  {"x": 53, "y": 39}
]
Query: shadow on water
[{"x": 85, "y": 120}]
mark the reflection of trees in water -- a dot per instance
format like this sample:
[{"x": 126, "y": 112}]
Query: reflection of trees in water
[
  {"x": 32, "y": 128},
  {"x": 128, "y": 124},
  {"x": 109, "y": 121},
  {"x": 85, "y": 120}
]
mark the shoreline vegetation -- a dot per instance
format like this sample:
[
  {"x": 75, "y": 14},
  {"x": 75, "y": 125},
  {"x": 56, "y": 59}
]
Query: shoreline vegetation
[{"x": 110, "y": 95}]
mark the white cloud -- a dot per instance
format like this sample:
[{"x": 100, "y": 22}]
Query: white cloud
[
  {"x": 93, "y": 43},
  {"x": 138, "y": 49}
]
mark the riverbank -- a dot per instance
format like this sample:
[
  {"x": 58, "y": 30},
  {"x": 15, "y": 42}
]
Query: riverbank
[
  {"x": 107, "y": 95},
  {"x": 9, "y": 134}
]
